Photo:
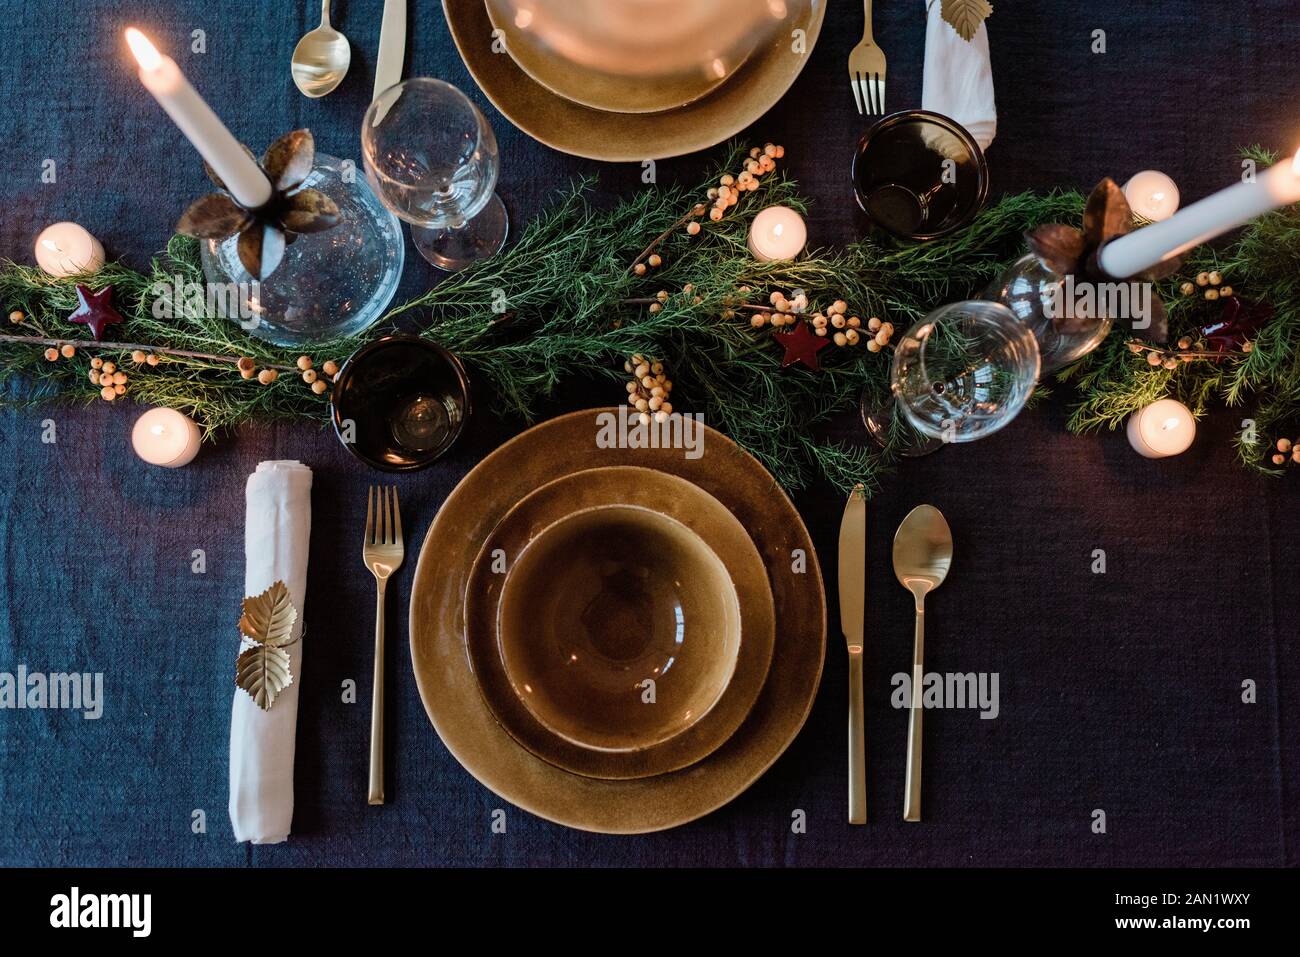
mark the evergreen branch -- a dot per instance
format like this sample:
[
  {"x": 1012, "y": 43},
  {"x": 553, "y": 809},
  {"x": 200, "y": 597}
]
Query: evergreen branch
[{"x": 564, "y": 301}]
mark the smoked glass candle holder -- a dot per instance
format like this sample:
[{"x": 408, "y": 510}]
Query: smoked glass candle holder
[
  {"x": 920, "y": 175},
  {"x": 400, "y": 403}
]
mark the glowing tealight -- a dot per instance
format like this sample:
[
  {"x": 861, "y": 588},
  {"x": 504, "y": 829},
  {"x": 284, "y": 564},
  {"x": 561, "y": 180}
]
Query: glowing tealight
[
  {"x": 778, "y": 232},
  {"x": 165, "y": 437},
  {"x": 1162, "y": 429},
  {"x": 1152, "y": 195},
  {"x": 66, "y": 249}
]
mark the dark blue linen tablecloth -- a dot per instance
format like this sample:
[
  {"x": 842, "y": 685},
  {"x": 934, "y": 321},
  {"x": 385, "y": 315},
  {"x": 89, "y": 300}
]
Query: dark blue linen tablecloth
[{"x": 1119, "y": 692}]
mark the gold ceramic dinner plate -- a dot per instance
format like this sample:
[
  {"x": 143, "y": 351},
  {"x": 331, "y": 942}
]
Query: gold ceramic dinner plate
[
  {"x": 450, "y": 690},
  {"x": 573, "y": 128},
  {"x": 611, "y": 618}
]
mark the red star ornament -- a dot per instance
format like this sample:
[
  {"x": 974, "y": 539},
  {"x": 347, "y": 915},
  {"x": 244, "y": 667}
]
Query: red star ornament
[
  {"x": 801, "y": 345},
  {"x": 95, "y": 310},
  {"x": 1238, "y": 322}
]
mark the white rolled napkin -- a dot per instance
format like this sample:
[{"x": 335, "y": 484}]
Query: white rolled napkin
[
  {"x": 277, "y": 530},
  {"x": 958, "y": 78}
]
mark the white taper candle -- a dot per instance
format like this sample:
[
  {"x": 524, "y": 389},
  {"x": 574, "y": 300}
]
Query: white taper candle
[
  {"x": 1199, "y": 223},
  {"x": 163, "y": 78}
]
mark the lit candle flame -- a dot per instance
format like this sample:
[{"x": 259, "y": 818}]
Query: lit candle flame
[
  {"x": 1170, "y": 423},
  {"x": 51, "y": 245},
  {"x": 146, "y": 54},
  {"x": 778, "y": 230},
  {"x": 1158, "y": 197}
]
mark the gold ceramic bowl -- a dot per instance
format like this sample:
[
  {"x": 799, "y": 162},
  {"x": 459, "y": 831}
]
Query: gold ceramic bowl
[
  {"x": 598, "y": 582},
  {"x": 628, "y": 89},
  {"x": 619, "y": 628}
]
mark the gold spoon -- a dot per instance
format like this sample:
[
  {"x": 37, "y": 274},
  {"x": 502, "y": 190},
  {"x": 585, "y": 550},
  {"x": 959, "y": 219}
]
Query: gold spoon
[
  {"x": 922, "y": 554},
  {"x": 321, "y": 58}
]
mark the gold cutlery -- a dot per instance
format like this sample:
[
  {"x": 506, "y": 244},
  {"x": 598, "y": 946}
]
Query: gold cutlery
[
  {"x": 321, "y": 58},
  {"x": 867, "y": 71},
  {"x": 382, "y": 551},
  {"x": 392, "y": 47},
  {"x": 922, "y": 555},
  {"x": 853, "y": 567}
]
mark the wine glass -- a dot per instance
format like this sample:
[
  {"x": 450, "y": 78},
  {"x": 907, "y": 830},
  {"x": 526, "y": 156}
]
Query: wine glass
[
  {"x": 432, "y": 159},
  {"x": 964, "y": 371}
]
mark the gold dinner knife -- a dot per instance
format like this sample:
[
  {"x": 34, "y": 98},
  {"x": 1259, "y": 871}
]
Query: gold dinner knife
[
  {"x": 392, "y": 47},
  {"x": 853, "y": 570}
]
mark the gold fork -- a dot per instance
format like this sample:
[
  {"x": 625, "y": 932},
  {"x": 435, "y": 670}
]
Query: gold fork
[
  {"x": 867, "y": 71},
  {"x": 382, "y": 551}
]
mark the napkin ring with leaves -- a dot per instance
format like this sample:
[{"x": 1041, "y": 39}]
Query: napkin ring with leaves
[{"x": 266, "y": 626}]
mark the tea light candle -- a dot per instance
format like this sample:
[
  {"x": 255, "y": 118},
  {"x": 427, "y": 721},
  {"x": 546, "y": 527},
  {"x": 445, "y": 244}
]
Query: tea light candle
[
  {"x": 165, "y": 437},
  {"x": 66, "y": 249},
  {"x": 778, "y": 232},
  {"x": 1152, "y": 195},
  {"x": 1162, "y": 429}
]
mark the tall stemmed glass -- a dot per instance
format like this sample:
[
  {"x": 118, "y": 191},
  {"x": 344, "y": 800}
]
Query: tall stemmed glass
[
  {"x": 432, "y": 159},
  {"x": 964, "y": 371}
]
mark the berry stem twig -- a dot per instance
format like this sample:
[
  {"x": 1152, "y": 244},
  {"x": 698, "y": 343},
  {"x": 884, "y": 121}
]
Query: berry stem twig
[
  {"x": 1136, "y": 345},
  {"x": 92, "y": 345},
  {"x": 695, "y": 212}
]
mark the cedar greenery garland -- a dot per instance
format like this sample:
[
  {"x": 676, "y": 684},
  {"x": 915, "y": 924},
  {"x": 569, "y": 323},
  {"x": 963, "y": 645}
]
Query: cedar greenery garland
[{"x": 556, "y": 304}]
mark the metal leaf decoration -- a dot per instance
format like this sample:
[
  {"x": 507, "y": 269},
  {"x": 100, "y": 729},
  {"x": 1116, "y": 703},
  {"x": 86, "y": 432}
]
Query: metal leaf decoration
[
  {"x": 262, "y": 669},
  {"x": 264, "y": 233},
  {"x": 269, "y": 618},
  {"x": 965, "y": 16},
  {"x": 214, "y": 216},
  {"x": 261, "y": 247},
  {"x": 289, "y": 159},
  {"x": 263, "y": 672},
  {"x": 309, "y": 211},
  {"x": 1068, "y": 251},
  {"x": 1106, "y": 214},
  {"x": 1057, "y": 247}
]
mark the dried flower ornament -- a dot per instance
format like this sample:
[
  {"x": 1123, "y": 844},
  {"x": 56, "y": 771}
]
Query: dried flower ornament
[
  {"x": 265, "y": 232},
  {"x": 1068, "y": 251}
]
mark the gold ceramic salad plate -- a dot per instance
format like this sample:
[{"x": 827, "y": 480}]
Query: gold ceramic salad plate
[{"x": 620, "y": 622}]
